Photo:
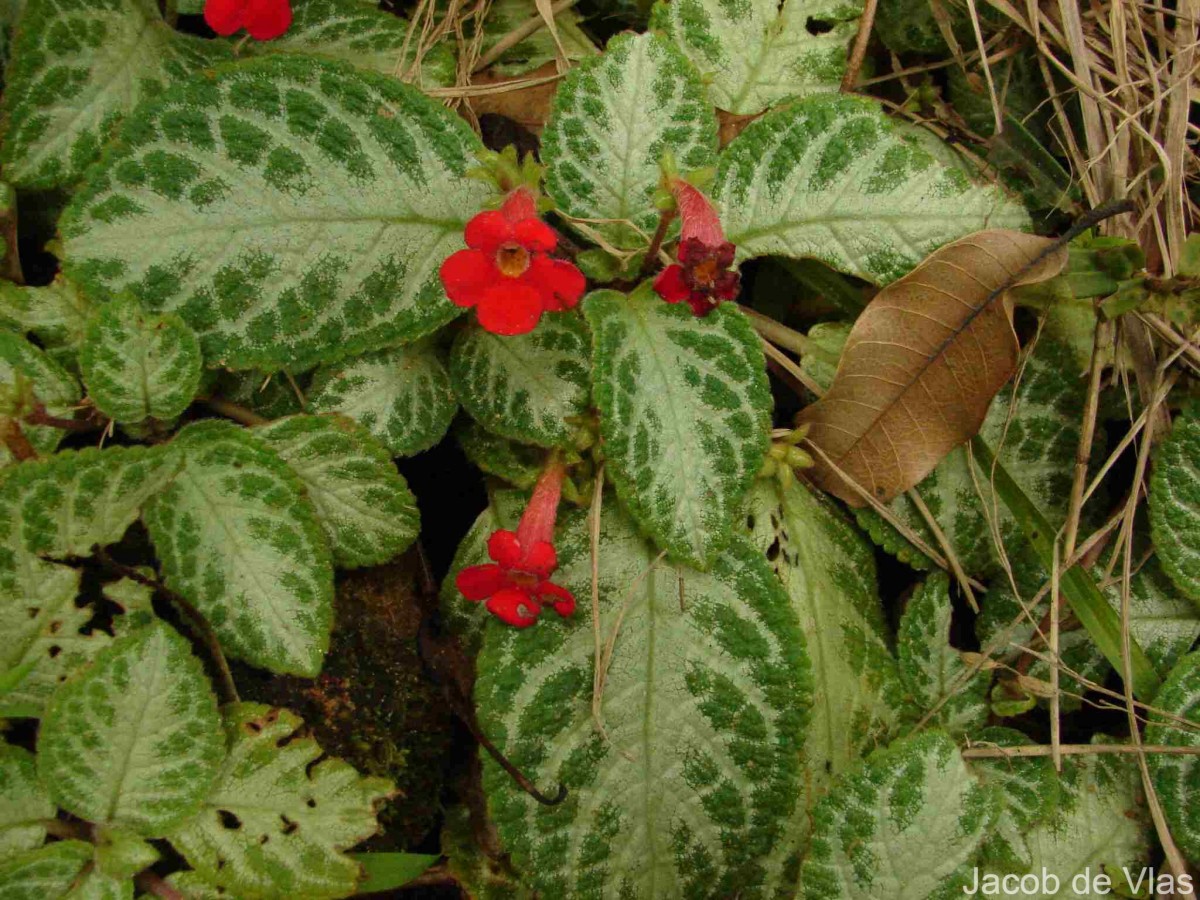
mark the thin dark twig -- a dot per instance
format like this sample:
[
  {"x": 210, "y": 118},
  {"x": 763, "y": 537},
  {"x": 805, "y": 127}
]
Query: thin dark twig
[
  {"x": 656, "y": 242},
  {"x": 195, "y": 619},
  {"x": 154, "y": 884},
  {"x": 859, "y": 51}
]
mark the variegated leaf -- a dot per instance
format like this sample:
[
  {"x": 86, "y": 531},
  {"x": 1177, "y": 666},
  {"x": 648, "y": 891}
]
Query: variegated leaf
[
  {"x": 238, "y": 538},
  {"x": 24, "y": 804},
  {"x": 833, "y": 178},
  {"x": 402, "y": 396},
  {"x": 357, "y": 194},
  {"x": 96, "y": 885},
  {"x": 614, "y": 118},
  {"x": 28, "y": 375},
  {"x": 78, "y": 69},
  {"x": 696, "y": 773},
  {"x": 134, "y": 740},
  {"x": 137, "y": 366},
  {"x": 1176, "y": 777},
  {"x": 277, "y": 820},
  {"x": 57, "y": 314},
  {"x": 539, "y": 48},
  {"x": 759, "y": 52},
  {"x": 532, "y": 387},
  {"x": 362, "y": 34},
  {"x": 518, "y": 464},
  {"x": 938, "y": 683},
  {"x": 364, "y": 505},
  {"x": 907, "y": 826},
  {"x": 1175, "y": 503},
  {"x": 43, "y": 873},
  {"x": 1099, "y": 826},
  {"x": 684, "y": 410}
]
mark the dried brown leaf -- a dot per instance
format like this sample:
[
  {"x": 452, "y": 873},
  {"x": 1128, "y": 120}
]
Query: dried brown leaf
[{"x": 923, "y": 362}]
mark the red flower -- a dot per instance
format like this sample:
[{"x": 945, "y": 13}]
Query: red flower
[
  {"x": 702, "y": 277},
  {"x": 507, "y": 272},
  {"x": 516, "y": 584},
  {"x": 264, "y": 19}
]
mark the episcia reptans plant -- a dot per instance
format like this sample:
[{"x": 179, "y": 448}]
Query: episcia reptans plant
[{"x": 703, "y": 648}]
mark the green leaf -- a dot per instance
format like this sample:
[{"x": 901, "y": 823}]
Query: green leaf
[
  {"x": 271, "y": 396},
  {"x": 137, "y": 366},
  {"x": 1100, "y": 826},
  {"x": 26, "y": 373},
  {"x": 937, "y": 680},
  {"x": 57, "y": 314},
  {"x": 78, "y": 69},
  {"x": 24, "y": 803},
  {"x": 758, "y": 53},
  {"x": 402, "y": 396},
  {"x": 276, "y": 821},
  {"x": 76, "y": 499},
  {"x": 96, "y": 885},
  {"x": 539, "y": 48},
  {"x": 1175, "y": 777},
  {"x": 528, "y": 387},
  {"x": 238, "y": 538},
  {"x": 122, "y": 854},
  {"x": 518, "y": 464},
  {"x": 291, "y": 210},
  {"x": 134, "y": 740},
  {"x": 905, "y": 827},
  {"x": 833, "y": 178},
  {"x": 704, "y": 709},
  {"x": 364, "y": 35},
  {"x": 386, "y": 871},
  {"x": 1175, "y": 503},
  {"x": 1029, "y": 794},
  {"x": 46, "y": 872},
  {"x": 365, "y": 508},
  {"x": 684, "y": 410},
  {"x": 613, "y": 118}
]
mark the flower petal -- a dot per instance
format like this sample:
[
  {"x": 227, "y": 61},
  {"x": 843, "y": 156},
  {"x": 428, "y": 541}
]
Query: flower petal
[
  {"x": 480, "y": 582},
  {"x": 535, "y": 235},
  {"x": 466, "y": 275},
  {"x": 504, "y": 548},
  {"x": 671, "y": 286},
  {"x": 514, "y": 607},
  {"x": 541, "y": 559},
  {"x": 563, "y": 601},
  {"x": 559, "y": 282},
  {"x": 487, "y": 231},
  {"x": 510, "y": 307},
  {"x": 268, "y": 19},
  {"x": 225, "y": 16}
]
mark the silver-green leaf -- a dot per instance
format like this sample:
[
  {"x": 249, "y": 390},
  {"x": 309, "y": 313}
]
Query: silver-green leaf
[
  {"x": 291, "y": 210},
  {"x": 56, "y": 314},
  {"x": 279, "y": 816},
  {"x": 402, "y": 396},
  {"x": 1175, "y": 504},
  {"x": 137, "y": 366},
  {"x": 833, "y": 178},
  {"x": 614, "y": 118},
  {"x": 365, "y": 508},
  {"x": 24, "y": 803},
  {"x": 1175, "y": 777},
  {"x": 684, "y": 410},
  {"x": 133, "y": 741},
  {"x": 238, "y": 538},
  {"x": 45, "y": 872},
  {"x": 29, "y": 376},
  {"x": 533, "y": 387}
]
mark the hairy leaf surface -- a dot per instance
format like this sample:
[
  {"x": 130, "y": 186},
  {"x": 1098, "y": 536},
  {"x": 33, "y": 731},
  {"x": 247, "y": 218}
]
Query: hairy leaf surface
[
  {"x": 23, "y": 802},
  {"x": 364, "y": 505},
  {"x": 402, "y": 396},
  {"x": 57, "y": 314},
  {"x": 1175, "y": 503},
  {"x": 760, "y": 52},
  {"x": 45, "y": 872},
  {"x": 78, "y": 69},
  {"x": 539, "y": 48},
  {"x": 238, "y": 538},
  {"x": 1176, "y": 777},
  {"x": 528, "y": 386},
  {"x": 137, "y": 366},
  {"x": 28, "y": 375},
  {"x": 684, "y": 409},
  {"x": 291, "y": 210},
  {"x": 613, "y": 119},
  {"x": 276, "y": 821},
  {"x": 833, "y": 178},
  {"x": 518, "y": 464},
  {"x": 704, "y": 707},
  {"x": 906, "y": 827},
  {"x": 134, "y": 740}
]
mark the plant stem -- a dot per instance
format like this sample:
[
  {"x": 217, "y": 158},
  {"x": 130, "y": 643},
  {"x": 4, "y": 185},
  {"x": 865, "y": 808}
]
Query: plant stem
[
  {"x": 231, "y": 410},
  {"x": 660, "y": 234},
  {"x": 518, "y": 34},
  {"x": 15, "y": 440},
  {"x": 154, "y": 884}
]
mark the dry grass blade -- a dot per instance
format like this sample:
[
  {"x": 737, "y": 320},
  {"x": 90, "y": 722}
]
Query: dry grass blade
[{"x": 923, "y": 363}]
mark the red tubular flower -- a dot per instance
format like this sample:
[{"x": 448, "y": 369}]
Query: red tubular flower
[
  {"x": 263, "y": 19},
  {"x": 702, "y": 276},
  {"x": 516, "y": 584},
  {"x": 507, "y": 272}
]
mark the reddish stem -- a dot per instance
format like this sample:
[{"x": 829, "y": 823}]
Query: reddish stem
[{"x": 537, "y": 522}]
